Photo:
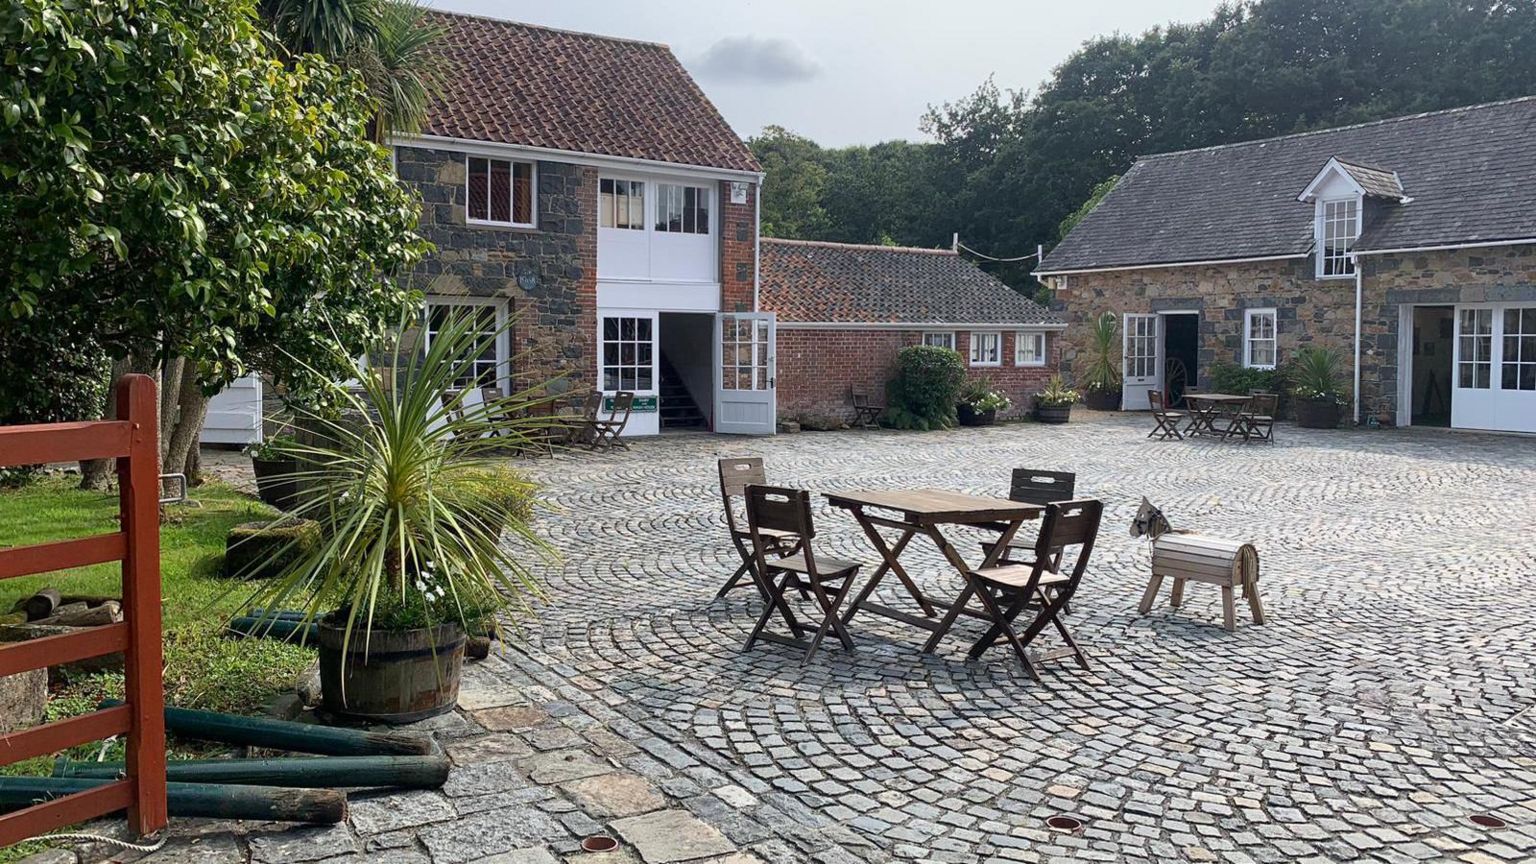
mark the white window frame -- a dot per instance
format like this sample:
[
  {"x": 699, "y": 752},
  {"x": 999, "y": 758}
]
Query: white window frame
[
  {"x": 533, "y": 193},
  {"x": 932, "y": 338},
  {"x": 665, "y": 188},
  {"x": 1035, "y": 336},
  {"x": 652, "y": 344},
  {"x": 1321, "y": 238},
  {"x": 503, "y": 335},
  {"x": 1274, "y": 337},
  {"x": 997, "y": 347},
  {"x": 647, "y": 193}
]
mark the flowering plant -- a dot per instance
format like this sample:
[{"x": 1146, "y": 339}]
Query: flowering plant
[
  {"x": 1056, "y": 393},
  {"x": 980, "y": 397}
]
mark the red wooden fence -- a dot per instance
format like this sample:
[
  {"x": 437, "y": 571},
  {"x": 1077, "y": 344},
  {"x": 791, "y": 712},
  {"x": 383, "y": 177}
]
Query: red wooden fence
[{"x": 131, "y": 440}]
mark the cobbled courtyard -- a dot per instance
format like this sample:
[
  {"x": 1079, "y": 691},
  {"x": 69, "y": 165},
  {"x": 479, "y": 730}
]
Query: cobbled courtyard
[{"x": 1390, "y": 697}]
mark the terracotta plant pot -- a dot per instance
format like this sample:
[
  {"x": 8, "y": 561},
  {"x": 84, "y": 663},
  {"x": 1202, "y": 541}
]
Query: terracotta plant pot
[
  {"x": 1053, "y": 413},
  {"x": 401, "y": 677},
  {"x": 1102, "y": 400},
  {"x": 969, "y": 416},
  {"x": 1317, "y": 413},
  {"x": 275, "y": 482}
]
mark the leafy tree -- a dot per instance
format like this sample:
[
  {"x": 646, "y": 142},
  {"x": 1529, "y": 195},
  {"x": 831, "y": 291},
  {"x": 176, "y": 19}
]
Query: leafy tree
[
  {"x": 202, "y": 208},
  {"x": 795, "y": 184},
  {"x": 1082, "y": 212}
]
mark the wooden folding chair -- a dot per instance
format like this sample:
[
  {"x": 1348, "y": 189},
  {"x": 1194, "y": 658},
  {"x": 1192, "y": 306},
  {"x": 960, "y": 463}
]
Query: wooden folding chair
[
  {"x": 866, "y": 409},
  {"x": 1034, "y": 486},
  {"x": 777, "y": 509},
  {"x": 1257, "y": 420},
  {"x": 1167, "y": 421},
  {"x": 1039, "y": 586},
  {"x": 736, "y": 474},
  {"x": 605, "y": 433}
]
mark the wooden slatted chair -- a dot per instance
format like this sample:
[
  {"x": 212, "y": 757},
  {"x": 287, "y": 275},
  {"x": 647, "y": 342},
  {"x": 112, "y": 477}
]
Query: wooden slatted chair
[
  {"x": 1034, "y": 486},
  {"x": 866, "y": 408},
  {"x": 1257, "y": 421},
  {"x": 1167, "y": 421},
  {"x": 606, "y": 432},
  {"x": 1040, "y": 586},
  {"x": 736, "y": 474},
  {"x": 778, "y": 509}
]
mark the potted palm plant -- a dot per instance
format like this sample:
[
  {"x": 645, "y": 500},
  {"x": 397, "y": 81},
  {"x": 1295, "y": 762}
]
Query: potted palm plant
[
  {"x": 413, "y": 501},
  {"x": 979, "y": 404},
  {"x": 1100, "y": 373},
  {"x": 1317, "y": 385},
  {"x": 1054, "y": 403}
]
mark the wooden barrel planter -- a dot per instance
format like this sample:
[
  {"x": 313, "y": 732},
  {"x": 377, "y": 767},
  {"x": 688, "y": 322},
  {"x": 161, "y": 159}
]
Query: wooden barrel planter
[
  {"x": 1213, "y": 560},
  {"x": 391, "y": 676}
]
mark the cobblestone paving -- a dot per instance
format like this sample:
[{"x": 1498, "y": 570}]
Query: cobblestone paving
[{"x": 1390, "y": 696}]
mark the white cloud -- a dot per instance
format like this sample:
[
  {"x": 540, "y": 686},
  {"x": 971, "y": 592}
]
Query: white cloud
[{"x": 757, "y": 60}]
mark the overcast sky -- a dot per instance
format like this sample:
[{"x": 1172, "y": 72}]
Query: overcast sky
[{"x": 847, "y": 72}]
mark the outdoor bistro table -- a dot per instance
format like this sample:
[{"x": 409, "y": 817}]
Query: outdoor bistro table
[
  {"x": 1206, "y": 408},
  {"x": 924, "y": 511}
]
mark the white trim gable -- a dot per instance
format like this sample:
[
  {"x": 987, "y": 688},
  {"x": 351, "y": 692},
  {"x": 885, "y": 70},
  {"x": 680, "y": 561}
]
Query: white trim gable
[{"x": 1326, "y": 182}]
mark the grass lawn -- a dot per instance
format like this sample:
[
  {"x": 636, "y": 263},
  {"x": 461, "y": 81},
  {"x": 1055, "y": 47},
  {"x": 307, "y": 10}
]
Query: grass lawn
[{"x": 202, "y": 668}]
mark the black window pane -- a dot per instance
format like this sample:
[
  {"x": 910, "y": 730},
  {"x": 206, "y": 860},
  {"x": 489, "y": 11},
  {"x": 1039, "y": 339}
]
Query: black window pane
[
  {"x": 643, "y": 380},
  {"x": 626, "y": 328},
  {"x": 477, "y": 190},
  {"x": 501, "y": 191},
  {"x": 610, "y": 328},
  {"x": 644, "y": 330},
  {"x": 522, "y": 192}
]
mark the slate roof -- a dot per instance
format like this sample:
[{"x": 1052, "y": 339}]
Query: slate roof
[
  {"x": 844, "y": 283},
  {"x": 1470, "y": 172},
  {"x": 1377, "y": 182},
  {"x": 514, "y": 83}
]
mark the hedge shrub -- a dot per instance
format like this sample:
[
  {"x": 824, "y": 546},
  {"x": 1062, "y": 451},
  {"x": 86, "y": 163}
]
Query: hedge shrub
[{"x": 927, "y": 386}]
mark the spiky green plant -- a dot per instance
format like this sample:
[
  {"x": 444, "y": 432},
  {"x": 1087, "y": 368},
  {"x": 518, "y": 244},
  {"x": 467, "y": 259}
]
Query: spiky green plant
[
  {"x": 413, "y": 496},
  {"x": 1100, "y": 370},
  {"x": 399, "y": 67},
  {"x": 1316, "y": 372}
]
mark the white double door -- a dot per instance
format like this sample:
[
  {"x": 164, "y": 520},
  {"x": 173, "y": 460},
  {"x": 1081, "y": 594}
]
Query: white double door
[{"x": 1493, "y": 377}]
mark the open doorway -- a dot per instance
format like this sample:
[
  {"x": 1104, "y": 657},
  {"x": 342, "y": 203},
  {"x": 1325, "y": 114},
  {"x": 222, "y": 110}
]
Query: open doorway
[
  {"x": 1430, "y": 390},
  {"x": 687, "y": 370},
  {"x": 1181, "y": 354}
]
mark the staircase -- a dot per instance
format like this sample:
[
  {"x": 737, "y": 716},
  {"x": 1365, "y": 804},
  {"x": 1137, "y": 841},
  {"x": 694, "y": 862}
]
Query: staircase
[{"x": 678, "y": 410}]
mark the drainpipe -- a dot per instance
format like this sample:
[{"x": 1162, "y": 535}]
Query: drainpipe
[
  {"x": 757, "y": 242},
  {"x": 1359, "y": 304}
]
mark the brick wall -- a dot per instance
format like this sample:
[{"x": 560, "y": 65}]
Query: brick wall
[
  {"x": 547, "y": 274},
  {"x": 1310, "y": 311},
  {"x": 738, "y": 246},
  {"x": 817, "y": 367}
]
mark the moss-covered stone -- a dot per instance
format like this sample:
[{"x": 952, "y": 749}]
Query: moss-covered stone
[{"x": 261, "y": 550}]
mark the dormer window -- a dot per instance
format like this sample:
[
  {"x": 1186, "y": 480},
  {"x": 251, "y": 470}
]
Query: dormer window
[{"x": 1338, "y": 229}]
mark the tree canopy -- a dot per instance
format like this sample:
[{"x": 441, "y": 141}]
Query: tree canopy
[
  {"x": 167, "y": 181},
  {"x": 1004, "y": 168}
]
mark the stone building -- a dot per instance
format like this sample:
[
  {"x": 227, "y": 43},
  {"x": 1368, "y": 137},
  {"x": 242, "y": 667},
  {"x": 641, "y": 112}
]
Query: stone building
[
  {"x": 844, "y": 311},
  {"x": 1408, "y": 245}
]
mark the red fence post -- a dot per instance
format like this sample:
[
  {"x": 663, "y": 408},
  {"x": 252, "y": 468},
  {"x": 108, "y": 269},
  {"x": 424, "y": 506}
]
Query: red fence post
[{"x": 138, "y": 478}]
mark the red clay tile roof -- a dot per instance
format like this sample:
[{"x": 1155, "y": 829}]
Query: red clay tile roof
[
  {"x": 841, "y": 282},
  {"x": 515, "y": 83}
]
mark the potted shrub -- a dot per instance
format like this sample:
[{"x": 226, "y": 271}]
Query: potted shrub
[
  {"x": 412, "y": 504},
  {"x": 277, "y": 471},
  {"x": 979, "y": 404},
  {"x": 1100, "y": 373},
  {"x": 926, "y": 388},
  {"x": 1054, "y": 403},
  {"x": 1317, "y": 386}
]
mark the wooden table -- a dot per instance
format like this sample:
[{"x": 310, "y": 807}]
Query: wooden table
[
  {"x": 1206, "y": 408},
  {"x": 924, "y": 511}
]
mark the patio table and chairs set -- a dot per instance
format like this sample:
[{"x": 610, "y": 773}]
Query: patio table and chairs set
[
  {"x": 1017, "y": 585},
  {"x": 593, "y": 420},
  {"x": 1223, "y": 416}
]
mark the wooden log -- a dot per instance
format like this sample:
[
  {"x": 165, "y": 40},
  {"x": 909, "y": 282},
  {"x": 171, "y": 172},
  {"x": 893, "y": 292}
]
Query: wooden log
[
  {"x": 286, "y": 735},
  {"x": 281, "y": 629},
  {"x": 42, "y": 604},
  {"x": 318, "y": 772},
  {"x": 210, "y": 800},
  {"x": 81, "y": 615}
]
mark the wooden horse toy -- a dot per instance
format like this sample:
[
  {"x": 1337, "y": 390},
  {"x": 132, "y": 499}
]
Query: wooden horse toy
[{"x": 1185, "y": 556}]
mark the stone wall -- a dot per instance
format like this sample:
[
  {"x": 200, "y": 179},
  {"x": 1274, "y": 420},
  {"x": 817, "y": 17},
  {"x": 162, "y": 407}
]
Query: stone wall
[
  {"x": 1309, "y": 311},
  {"x": 548, "y": 274},
  {"x": 816, "y": 368}
]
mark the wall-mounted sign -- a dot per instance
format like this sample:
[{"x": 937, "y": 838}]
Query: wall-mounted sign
[
  {"x": 738, "y": 191},
  {"x": 642, "y": 404}
]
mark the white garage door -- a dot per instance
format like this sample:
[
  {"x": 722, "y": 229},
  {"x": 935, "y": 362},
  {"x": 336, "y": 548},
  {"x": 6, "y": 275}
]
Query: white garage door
[{"x": 1494, "y": 384}]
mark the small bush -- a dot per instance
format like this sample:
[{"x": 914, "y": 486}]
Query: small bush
[
  {"x": 926, "y": 388},
  {"x": 981, "y": 396},
  {"x": 1232, "y": 378}
]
